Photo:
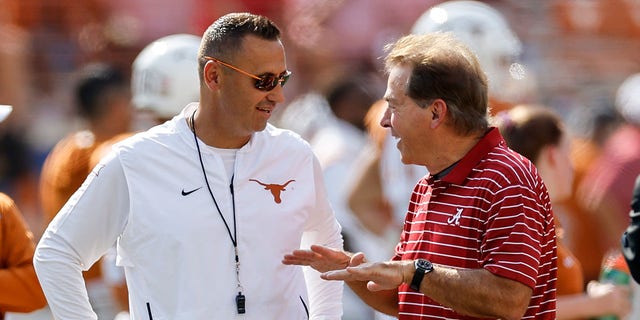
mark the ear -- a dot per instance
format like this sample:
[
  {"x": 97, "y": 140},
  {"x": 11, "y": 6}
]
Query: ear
[
  {"x": 438, "y": 112},
  {"x": 211, "y": 73}
]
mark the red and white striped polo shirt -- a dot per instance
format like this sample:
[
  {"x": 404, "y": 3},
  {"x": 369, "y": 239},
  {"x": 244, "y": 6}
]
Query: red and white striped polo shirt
[{"x": 490, "y": 211}]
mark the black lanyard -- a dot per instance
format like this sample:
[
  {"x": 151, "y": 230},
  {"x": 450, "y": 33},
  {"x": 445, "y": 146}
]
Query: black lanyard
[{"x": 240, "y": 298}]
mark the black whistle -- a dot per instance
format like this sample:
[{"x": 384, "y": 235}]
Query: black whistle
[{"x": 240, "y": 300}]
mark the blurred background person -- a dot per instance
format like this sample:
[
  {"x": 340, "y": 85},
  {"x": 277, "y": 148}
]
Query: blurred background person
[
  {"x": 19, "y": 287},
  {"x": 367, "y": 200},
  {"x": 161, "y": 79},
  {"x": 337, "y": 144},
  {"x": 337, "y": 133},
  {"x": 602, "y": 191},
  {"x": 539, "y": 134},
  {"x": 380, "y": 190},
  {"x": 103, "y": 100},
  {"x": 589, "y": 129},
  {"x": 18, "y": 178}
]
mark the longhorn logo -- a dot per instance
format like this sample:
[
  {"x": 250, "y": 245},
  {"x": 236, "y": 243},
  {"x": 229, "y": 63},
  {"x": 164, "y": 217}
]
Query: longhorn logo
[{"x": 276, "y": 189}]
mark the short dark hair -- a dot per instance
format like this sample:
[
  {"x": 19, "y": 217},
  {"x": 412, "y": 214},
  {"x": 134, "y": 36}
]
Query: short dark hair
[
  {"x": 225, "y": 35},
  {"x": 96, "y": 84},
  {"x": 444, "y": 68}
]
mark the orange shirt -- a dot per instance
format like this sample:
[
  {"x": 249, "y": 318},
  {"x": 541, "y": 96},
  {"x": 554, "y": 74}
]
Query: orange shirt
[
  {"x": 64, "y": 170},
  {"x": 570, "y": 273},
  {"x": 19, "y": 287},
  {"x": 570, "y": 278},
  {"x": 583, "y": 232},
  {"x": 104, "y": 148}
]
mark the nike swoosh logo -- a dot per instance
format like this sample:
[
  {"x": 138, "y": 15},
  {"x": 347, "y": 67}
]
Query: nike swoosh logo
[{"x": 186, "y": 193}]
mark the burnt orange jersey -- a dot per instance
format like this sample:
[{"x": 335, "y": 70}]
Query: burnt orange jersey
[
  {"x": 583, "y": 234},
  {"x": 19, "y": 287},
  {"x": 103, "y": 148},
  {"x": 64, "y": 170}
]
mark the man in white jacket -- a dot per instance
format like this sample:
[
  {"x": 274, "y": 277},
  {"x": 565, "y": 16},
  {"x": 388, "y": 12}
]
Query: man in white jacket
[{"x": 204, "y": 206}]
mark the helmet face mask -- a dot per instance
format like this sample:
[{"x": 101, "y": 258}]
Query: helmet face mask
[
  {"x": 485, "y": 31},
  {"x": 165, "y": 75}
]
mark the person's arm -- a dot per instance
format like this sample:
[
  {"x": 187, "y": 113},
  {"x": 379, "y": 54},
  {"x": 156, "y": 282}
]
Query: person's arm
[
  {"x": 475, "y": 292},
  {"x": 601, "y": 299},
  {"x": 385, "y": 301},
  {"x": 19, "y": 287},
  {"x": 366, "y": 198},
  {"x": 325, "y": 297},
  {"x": 84, "y": 229}
]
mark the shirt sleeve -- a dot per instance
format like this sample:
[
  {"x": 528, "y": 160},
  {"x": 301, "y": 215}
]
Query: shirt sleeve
[
  {"x": 325, "y": 297},
  {"x": 519, "y": 234},
  {"x": 19, "y": 287},
  {"x": 84, "y": 229}
]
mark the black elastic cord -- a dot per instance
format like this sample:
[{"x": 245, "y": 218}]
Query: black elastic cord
[
  {"x": 240, "y": 298},
  {"x": 233, "y": 237}
]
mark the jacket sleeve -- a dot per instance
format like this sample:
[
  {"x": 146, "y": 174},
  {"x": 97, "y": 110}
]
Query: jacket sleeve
[
  {"x": 84, "y": 229},
  {"x": 325, "y": 297},
  {"x": 631, "y": 237},
  {"x": 19, "y": 287}
]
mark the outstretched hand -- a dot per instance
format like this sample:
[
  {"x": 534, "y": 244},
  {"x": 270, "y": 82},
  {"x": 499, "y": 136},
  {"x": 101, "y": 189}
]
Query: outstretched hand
[
  {"x": 323, "y": 258},
  {"x": 336, "y": 264},
  {"x": 379, "y": 275},
  {"x": 615, "y": 297}
]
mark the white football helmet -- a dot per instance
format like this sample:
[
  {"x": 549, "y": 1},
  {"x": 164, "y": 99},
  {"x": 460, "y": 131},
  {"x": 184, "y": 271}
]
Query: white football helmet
[
  {"x": 5, "y": 110},
  {"x": 165, "y": 75},
  {"x": 628, "y": 99},
  {"x": 485, "y": 31}
]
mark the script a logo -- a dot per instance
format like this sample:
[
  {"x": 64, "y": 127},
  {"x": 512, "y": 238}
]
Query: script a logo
[
  {"x": 455, "y": 219},
  {"x": 276, "y": 189}
]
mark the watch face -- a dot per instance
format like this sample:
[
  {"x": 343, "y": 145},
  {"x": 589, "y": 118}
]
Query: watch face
[
  {"x": 422, "y": 267},
  {"x": 423, "y": 264}
]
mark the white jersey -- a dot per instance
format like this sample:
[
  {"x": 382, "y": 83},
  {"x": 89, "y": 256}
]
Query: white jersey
[{"x": 150, "y": 195}]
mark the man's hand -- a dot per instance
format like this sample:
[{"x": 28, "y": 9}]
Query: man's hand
[
  {"x": 379, "y": 275},
  {"x": 324, "y": 258}
]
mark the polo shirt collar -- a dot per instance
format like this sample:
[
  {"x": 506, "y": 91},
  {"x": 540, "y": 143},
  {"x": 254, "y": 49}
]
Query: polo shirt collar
[{"x": 463, "y": 167}]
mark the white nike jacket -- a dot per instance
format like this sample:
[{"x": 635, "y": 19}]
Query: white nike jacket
[{"x": 150, "y": 195}]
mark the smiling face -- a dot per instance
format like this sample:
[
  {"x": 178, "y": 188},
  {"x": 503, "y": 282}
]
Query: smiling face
[
  {"x": 408, "y": 122},
  {"x": 245, "y": 108}
]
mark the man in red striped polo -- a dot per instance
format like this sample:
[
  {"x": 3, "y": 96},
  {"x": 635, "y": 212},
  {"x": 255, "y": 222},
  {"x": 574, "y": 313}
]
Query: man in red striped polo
[{"x": 479, "y": 239}]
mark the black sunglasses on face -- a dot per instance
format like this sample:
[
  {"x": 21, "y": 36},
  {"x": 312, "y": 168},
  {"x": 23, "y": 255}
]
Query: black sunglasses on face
[{"x": 265, "y": 82}]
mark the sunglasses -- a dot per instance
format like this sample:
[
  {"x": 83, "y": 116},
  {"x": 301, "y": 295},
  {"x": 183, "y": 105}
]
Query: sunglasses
[{"x": 264, "y": 82}]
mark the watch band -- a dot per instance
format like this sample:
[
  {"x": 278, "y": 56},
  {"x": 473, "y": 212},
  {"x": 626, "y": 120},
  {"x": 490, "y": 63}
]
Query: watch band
[{"x": 423, "y": 267}]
